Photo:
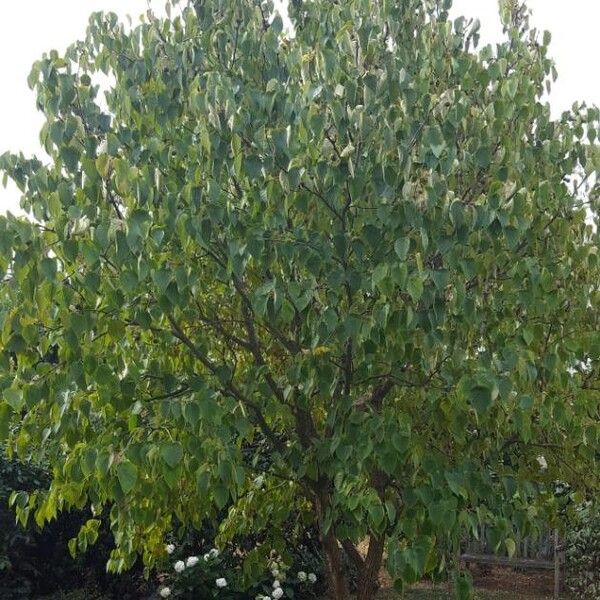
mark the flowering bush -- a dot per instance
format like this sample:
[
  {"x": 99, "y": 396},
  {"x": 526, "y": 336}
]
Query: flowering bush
[{"x": 218, "y": 576}]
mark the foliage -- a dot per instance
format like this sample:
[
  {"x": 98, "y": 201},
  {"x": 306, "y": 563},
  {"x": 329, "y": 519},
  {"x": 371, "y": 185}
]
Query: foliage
[
  {"x": 79, "y": 594},
  {"x": 301, "y": 554},
  {"x": 583, "y": 555},
  {"x": 34, "y": 562},
  {"x": 362, "y": 250},
  {"x": 215, "y": 575},
  {"x": 18, "y": 568}
]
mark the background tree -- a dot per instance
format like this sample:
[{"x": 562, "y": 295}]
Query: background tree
[{"x": 352, "y": 262}]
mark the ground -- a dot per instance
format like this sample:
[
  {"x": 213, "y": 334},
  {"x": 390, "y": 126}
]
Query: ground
[
  {"x": 444, "y": 595},
  {"x": 499, "y": 583}
]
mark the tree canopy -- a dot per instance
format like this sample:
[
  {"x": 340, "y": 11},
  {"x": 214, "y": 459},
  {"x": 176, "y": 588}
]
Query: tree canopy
[{"x": 346, "y": 273}]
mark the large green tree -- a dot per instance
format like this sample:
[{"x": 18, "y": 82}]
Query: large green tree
[{"x": 348, "y": 271}]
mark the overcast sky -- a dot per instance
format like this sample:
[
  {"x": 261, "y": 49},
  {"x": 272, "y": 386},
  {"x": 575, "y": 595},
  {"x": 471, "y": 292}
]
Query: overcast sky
[{"x": 30, "y": 27}]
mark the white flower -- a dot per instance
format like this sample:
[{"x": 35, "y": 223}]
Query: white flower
[
  {"x": 301, "y": 576},
  {"x": 192, "y": 561},
  {"x": 312, "y": 577},
  {"x": 165, "y": 592},
  {"x": 542, "y": 462},
  {"x": 179, "y": 566},
  {"x": 206, "y": 557},
  {"x": 275, "y": 572},
  {"x": 170, "y": 548},
  {"x": 102, "y": 148},
  {"x": 278, "y": 593},
  {"x": 276, "y": 584},
  {"x": 221, "y": 582},
  {"x": 213, "y": 553}
]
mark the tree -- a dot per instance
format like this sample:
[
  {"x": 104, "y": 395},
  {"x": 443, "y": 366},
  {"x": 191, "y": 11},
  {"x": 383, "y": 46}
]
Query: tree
[{"x": 347, "y": 272}]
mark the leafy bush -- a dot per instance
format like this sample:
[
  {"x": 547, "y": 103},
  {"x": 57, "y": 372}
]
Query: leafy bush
[
  {"x": 217, "y": 575},
  {"x": 19, "y": 566},
  {"x": 36, "y": 562},
  {"x": 248, "y": 564},
  {"x": 583, "y": 555}
]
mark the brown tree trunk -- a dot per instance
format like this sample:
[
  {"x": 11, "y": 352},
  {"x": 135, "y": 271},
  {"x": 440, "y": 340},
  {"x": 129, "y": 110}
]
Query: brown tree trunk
[
  {"x": 367, "y": 579},
  {"x": 336, "y": 581}
]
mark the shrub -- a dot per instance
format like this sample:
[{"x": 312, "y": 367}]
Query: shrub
[
  {"x": 215, "y": 574},
  {"x": 247, "y": 563},
  {"x": 35, "y": 561},
  {"x": 19, "y": 567},
  {"x": 583, "y": 555}
]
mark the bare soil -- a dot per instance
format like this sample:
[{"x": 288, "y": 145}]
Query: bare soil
[{"x": 491, "y": 583}]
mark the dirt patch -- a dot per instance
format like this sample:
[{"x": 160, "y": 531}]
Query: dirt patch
[
  {"x": 507, "y": 581},
  {"x": 518, "y": 581}
]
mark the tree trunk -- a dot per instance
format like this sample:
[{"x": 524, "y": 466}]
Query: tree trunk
[
  {"x": 336, "y": 581},
  {"x": 367, "y": 580}
]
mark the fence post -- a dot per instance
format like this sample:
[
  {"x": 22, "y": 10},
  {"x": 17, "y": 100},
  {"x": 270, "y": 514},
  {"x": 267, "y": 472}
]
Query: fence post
[{"x": 556, "y": 566}]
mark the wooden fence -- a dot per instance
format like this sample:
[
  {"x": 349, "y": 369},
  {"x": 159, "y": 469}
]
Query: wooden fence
[{"x": 543, "y": 552}]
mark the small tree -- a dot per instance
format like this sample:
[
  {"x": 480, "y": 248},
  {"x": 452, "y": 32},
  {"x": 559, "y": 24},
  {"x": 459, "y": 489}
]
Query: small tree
[{"x": 344, "y": 273}]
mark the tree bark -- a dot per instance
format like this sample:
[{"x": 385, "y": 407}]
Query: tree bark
[
  {"x": 353, "y": 554},
  {"x": 367, "y": 580},
  {"x": 338, "y": 587},
  {"x": 336, "y": 581}
]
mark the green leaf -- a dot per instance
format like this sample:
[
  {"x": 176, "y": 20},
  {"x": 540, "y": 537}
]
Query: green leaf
[
  {"x": 463, "y": 588},
  {"x": 415, "y": 287},
  {"x": 88, "y": 461},
  {"x": 48, "y": 268},
  {"x": 376, "y": 514},
  {"x": 5, "y": 416},
  {"x": 14, "y": 398},
  {"x": 221, "y": 495},
  {"x": 191, "y": 412},
  {"x": 103, "y": 165},
  {"x": 440, "y": 278},
  {"x": 401, "y": 246},
  {"x": 434, "y": 139},
  {"x": 127, "y": 474},
  {"x": 526, "y": 402},
  {"x": 481, "y": 398},
  {"x": 379, "y": 274},
  {"x": 483, "y": 157},
  {"x": 171, "y": 453}
]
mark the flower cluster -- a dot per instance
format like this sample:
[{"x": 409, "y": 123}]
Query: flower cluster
[
  {"x": 191, "y": 561},
  {"x": 208, "y": 577},
  {"x": 212, "y": 554},
  {"x": 279, "y": 573}
]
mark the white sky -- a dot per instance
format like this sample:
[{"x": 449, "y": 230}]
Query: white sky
[{"x": 30, "y": 27}]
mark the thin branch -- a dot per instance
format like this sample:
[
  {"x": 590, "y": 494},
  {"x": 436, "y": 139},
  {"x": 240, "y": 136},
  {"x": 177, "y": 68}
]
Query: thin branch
[{"x": 229, "y": 387}]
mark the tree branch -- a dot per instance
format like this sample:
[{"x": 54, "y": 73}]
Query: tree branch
[{"x": 229, "y": 387}]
